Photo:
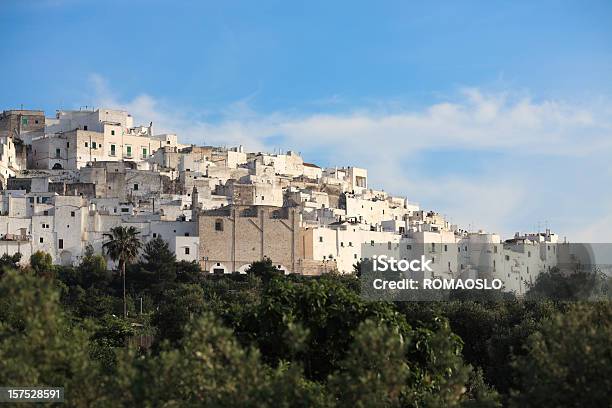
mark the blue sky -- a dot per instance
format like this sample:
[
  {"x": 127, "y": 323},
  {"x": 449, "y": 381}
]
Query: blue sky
[{"x": 498, "y": 100}]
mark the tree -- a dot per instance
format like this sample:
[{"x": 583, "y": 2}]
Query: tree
[
  {"x": 122, "y": 247},
  {"x": 9, "y": 261},
  {"x": 40, "y": 347},
  {"x": 578, "y": 284},
  {"x": 42, "y": 264},
  {"x": 374, "y": 372},
  {"x": 567, "y": 363},
  {"x": 158, "y": 258},
  {"x": 177, "y": 308}
]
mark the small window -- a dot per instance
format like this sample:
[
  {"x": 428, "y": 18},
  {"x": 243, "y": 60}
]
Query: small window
[
  {"x": 144, "y": 152},
  {"x": 128, "y": 151},
  {"x": 186, "y": 234},
  {"x": 46, "y": 212},
  {"x": 72, "y": 213},
  {"x": 186, "y": 250},
  {"x": 41, "y": 240},
  {"x": 113, "y": 150},
  {"x": 67, "y": 144},
  {"x": 60, "y": 244},
  {"x": 112, "y": 133},
  {"x": 36, "y": 121},
  {"x": 445, "y": 248},
  {"x": 85, "y": 127},
  {"x": 320, "y": 239},
  {"x": 24, "y": 121},
  {"x": 57, "y": 153},
  {"x": 93, "y": 145},
  {"x": 219, "y": 225},
  {"x": 136, "y": 187},
  {"x": 86, "y": 144},
  {"x": 124, "y": 210},
  {"x": 155, "y": 235}
]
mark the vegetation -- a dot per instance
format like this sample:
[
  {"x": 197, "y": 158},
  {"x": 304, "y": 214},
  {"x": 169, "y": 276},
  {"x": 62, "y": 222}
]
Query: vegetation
[
  {"x": 122, "y": 247},
  {"x": 265, "y": 339}
]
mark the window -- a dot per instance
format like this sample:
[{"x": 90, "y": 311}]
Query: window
[
  {"x": 445, "y": 248},
  {"x": 186, "y": 234},
  {"x": 60, "y": 244},
  {"x": 507, "y": 257},
  {"x": 186, "y": 250},
  {"x": 72, "y": 213},
  {"x": 128, "y": 151},
  {"x": 46, "y": 212},
  {"x": 494, "y": 265},
  {"x": 494, "y": 249},
  {"x": 355, "y": 256},
  {"x": 57, "y": 153},
  {"x": 93, "y": 145},
  {"x": 36, "y": 121},
  {"x": 124, "y": 210},
  {"x": 113, "y": 151},
  {"x": 219, "y": 225},
  {"x": 155, "y": 235},
  {"x": 86, "y": 144},
  {"x": 112, "y": 133},
  {"x": 85, "y": 127},
  {"x": 41, "y": 240},
  {"x": 320, "y": 239},
  {"x": 342, "y": 244},
  {"x": 136, "y": 187},
  {"x": 67, "y": 144},
  {"x": 409, "y": 247},
  {"x": 144, "y": 152},
  {"x": 528, "y": 254},
  {"x": 24, "y": 121}
]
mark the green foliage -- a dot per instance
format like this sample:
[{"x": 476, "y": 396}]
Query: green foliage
[
  {"x": 38, "y": 346},
  {"x": 177, "y": 308},
  {"x": 9, "y": 262},
  {"x": 265, "y": 339},
  {"x": 567, "y": 362},
  {"x": 374, "y": 371},
  {"x": 210, "y": 368},
  {"x": 571, "y": 285},
  {"x": 264, "y": 269},
  {"x": 123, "y": 244},
  {"x": 42, "y": 264}
]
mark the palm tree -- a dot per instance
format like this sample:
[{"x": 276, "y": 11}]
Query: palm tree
[{"x": 122, "y": 247}]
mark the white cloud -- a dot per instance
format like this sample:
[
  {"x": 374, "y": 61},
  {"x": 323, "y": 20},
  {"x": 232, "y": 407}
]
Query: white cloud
[{"x": 545, "y": 146}]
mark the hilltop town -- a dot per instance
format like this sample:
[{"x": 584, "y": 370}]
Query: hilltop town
[{"x": 67, "y": 180}]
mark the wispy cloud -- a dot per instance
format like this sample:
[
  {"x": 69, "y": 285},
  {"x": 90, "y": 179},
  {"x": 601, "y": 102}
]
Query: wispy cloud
[{"x": 554, "y": 164}]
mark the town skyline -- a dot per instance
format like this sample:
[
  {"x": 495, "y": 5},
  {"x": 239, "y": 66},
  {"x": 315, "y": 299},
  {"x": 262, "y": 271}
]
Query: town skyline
[{"x": 510, "y": 133}]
